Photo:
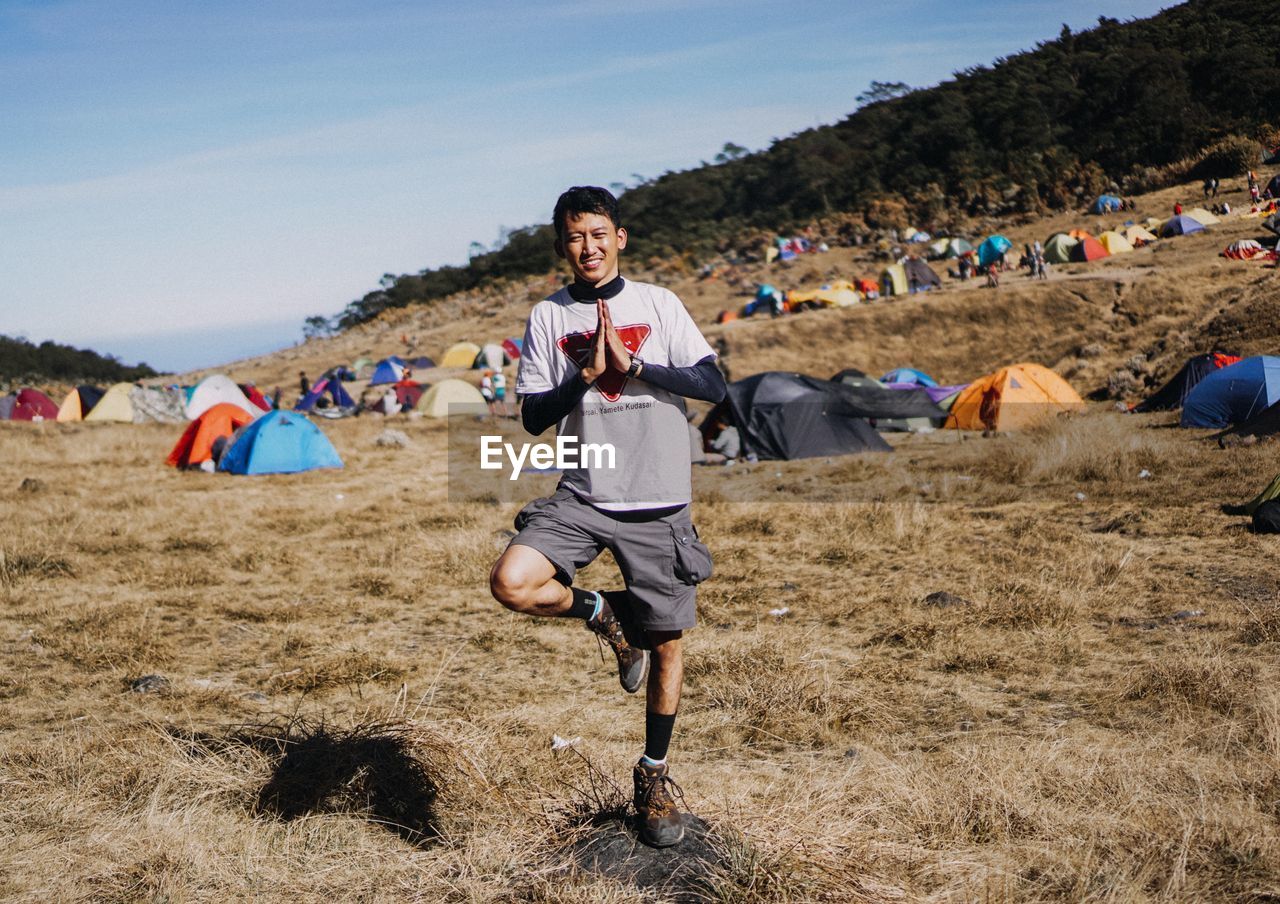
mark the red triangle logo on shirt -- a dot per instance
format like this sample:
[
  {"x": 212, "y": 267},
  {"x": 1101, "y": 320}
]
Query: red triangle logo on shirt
[{"x": 577, "y": 347}]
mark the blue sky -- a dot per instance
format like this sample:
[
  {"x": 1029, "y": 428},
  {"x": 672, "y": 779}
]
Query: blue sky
[{"x": 177, "y": 167}]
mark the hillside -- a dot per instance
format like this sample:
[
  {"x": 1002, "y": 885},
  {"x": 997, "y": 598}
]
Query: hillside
[
  {"x": 1087, "y": 320},
  {"x": 1185, "y": 94}
]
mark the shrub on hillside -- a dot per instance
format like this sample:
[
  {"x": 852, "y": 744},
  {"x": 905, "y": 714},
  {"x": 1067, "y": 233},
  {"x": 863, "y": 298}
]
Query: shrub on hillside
[{"x": 1232, "y": 156}]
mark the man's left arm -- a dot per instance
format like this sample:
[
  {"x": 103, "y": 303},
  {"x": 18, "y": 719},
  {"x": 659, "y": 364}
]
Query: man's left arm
[{"x": 701, "y": 381}]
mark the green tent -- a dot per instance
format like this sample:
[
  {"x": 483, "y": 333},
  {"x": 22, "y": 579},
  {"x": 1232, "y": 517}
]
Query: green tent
[{"x": 1058, "y": 249}]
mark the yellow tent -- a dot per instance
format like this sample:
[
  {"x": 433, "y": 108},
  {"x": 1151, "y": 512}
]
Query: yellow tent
[
  {"x": 114, "y": 406},
  {"x": 1114, "y": 242},
  {"x": 1137, "y": 236},
  {"x": 1013, "y": 398},
  {"x": 839, "y": 294},
  {"x": 452, "y": 397},
  {"x": 893, "y": 280},
  {"x": 460, "y": 354},
  {"x": 1202, "y": 216}
]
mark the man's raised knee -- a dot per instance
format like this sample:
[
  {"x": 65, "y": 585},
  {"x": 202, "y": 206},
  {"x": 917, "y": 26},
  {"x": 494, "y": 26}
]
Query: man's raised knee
[{"x": 507, "y": 587}]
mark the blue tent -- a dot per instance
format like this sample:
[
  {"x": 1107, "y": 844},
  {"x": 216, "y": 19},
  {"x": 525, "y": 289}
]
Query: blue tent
[
  {"x": 1180, "y": 225},
  {"x": 993, "y": 249},
  {"x": 327, "y": 386},
  {"x": 1106, "y": 204},
  {"x": 279, "y": 442},
  {"x": 389, "y": 370},
  {"x": 1233, "y": 394},
  {"x": 909, "y": 375}
]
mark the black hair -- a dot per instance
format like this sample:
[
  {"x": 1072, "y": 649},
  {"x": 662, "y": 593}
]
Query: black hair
[{"x": 585, "y": 199}]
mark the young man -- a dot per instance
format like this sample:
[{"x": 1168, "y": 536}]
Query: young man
[{"x": 608, "y": 360}]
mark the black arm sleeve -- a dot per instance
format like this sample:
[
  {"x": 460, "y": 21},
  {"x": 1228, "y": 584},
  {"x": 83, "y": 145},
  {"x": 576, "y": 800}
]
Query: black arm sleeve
[
  {"x": 702, "y": 381},
  {"x": 542, "y": 409}
]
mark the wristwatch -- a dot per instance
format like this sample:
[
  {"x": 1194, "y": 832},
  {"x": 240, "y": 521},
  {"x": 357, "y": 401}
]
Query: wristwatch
[{"x": 636, "y": 365}]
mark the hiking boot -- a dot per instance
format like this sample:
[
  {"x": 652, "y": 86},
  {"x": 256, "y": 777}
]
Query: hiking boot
[
  {"x": 660, "y": 822},
  {"x": 633, "y": 662}
]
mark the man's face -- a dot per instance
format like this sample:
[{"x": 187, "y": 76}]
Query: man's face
[{"x": 591, "y": 244}]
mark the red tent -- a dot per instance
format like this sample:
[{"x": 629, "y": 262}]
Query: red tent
[
  {"x": 33, "y": 405},
  {"x": 253, "y": 395},
  {"x": 1088, "y": 249},
  {"x": 512, "y": 348}
]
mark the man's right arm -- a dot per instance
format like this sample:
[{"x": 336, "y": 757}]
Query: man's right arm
[{"x": 540, "y": 410}]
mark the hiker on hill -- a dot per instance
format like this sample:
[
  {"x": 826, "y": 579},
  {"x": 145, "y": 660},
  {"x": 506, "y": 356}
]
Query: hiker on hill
[
  {"x": 581, "y": 368},
  {"x": 304, "y": 384}
]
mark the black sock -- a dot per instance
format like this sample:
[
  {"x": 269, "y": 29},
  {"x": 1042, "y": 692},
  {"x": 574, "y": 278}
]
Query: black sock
[
  {"x": 657, "y": 734},
  {"x": 583, "y": 605}
]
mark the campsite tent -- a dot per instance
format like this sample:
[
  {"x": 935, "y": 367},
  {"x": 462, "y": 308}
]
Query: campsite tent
[
  {"x": 1138, "y": 236},
  {"x": 786, "y": 415},
  {"x": 6, "y": 405},
  {"x": 1180, "y": 225},
  {"x": 114, "y": 405},
  {"x": 908, "y": 375},
  {"x": 1114, "y": 242},
  {"x": 1203, "y": 217},
  {"x": 992, "y": 249},
  {"x": 33, "y": 405},
  {"x": 327, "y": 387},
  {"x": 360, "y": 365},
  {"x": 421, "y": 362},
  {"x": 78, "y": 403},
  {"x": 460, "y": 354},
  {"x": 1246, "y": 250},
  {"x": 491, "y": 356},
  {"x": 1273, "y": 187},
  {"x": 1058, "y": 249},
  {"x": 388, "y": 370},
  {"x": 452, "y": 397},
  {"x": 1012, "y": 398},
  {"x": 512, "y": 345},
  {"x": 158, "y": 404},
  {"x": 1172, "y": 394},
  {"x": 949, "y": 249},
  {"x": 196, "y": 443},
  {"x": 1233, "y": 394},
  {"x": 1088, "y": 249},
  {"x": 1106, "y": 204},
  {"x": 217, "y": 388},
  {"x": 279, "y": 442},
  {"x": 838, "y": 294},
  {"x": 909, "y": 277},
  {"x": 901, "y": 407}
]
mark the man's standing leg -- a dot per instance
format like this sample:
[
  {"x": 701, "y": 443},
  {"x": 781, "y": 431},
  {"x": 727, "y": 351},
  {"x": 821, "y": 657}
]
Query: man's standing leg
[{"x": 660, "y": 821}]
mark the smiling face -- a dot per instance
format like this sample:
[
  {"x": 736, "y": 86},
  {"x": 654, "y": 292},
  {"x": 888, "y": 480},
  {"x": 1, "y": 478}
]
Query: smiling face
[{"x": 591, "y": 244}]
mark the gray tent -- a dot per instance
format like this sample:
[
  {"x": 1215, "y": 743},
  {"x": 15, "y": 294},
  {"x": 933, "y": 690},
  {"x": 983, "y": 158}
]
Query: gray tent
[
  {"x": 785, "y": 416},
  {"x": 162, "y": 406}
]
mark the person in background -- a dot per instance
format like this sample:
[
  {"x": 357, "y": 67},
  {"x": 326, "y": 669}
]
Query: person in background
[
  {"x": 486, "y": 390},
  {"x": 304, "y": 384},
  {"x": 500, "y": 393}
]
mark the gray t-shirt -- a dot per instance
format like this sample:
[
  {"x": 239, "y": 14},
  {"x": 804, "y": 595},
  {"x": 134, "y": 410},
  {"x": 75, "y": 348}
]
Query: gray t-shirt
[{"x": 645, "y": 425}]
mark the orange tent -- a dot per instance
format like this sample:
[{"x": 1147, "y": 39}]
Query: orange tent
[
  {"x": 1080, "y": 234},
  {"x": 1013, "y": 398},
  {"x": 196, "y": 443}
]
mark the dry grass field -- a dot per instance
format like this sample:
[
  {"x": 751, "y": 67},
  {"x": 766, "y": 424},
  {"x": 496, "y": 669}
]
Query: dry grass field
[{"x": 343, "y": 714}]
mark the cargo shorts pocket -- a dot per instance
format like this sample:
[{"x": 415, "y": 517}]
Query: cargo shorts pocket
[
  {"x": 693, "y": 559},
  {"x": 538, "y": 505}
]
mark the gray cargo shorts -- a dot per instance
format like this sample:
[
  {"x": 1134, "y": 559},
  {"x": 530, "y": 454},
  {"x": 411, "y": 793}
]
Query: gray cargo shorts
[{"x": 662, "y": 560}]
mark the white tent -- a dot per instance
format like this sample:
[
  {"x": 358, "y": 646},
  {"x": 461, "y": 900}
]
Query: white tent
[{"x": 214, "y": 389}]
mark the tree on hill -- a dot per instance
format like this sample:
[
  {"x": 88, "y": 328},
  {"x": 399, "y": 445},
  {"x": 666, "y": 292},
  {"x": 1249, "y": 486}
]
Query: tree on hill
[
  {"x": 1039, "y": 130},
  {"x": 49, "y": 362}
]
